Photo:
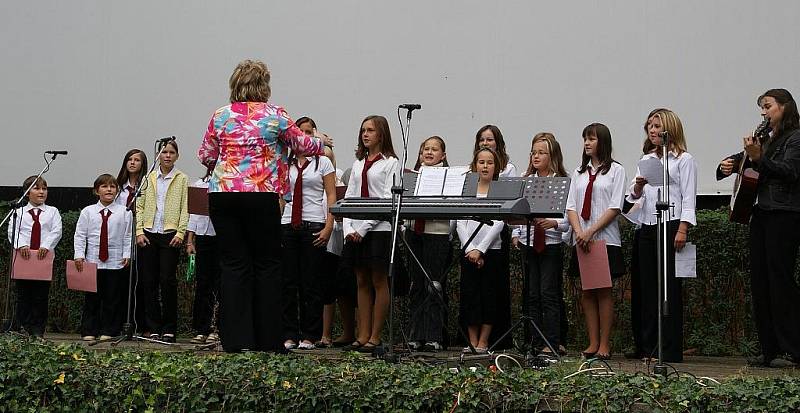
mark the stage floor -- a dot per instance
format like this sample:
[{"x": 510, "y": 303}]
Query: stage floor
[{"x": 719, "y": 368}]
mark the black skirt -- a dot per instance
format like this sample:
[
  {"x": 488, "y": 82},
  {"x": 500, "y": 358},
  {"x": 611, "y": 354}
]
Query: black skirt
[
  {"x": 616, "y": 262},
  {"x": 371, "y": 253}
]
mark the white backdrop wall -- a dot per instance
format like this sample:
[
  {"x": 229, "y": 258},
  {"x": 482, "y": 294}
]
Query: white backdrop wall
[{"x": 99, "y": 77}]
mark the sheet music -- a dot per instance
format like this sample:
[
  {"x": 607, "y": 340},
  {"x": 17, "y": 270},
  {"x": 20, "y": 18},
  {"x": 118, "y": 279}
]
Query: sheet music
[
  {"x": 454, "y": 180},
  {"x": 653, "y": 170},
  {"x": 430, "y": 181},
  {"x": 686, "y": 261}
]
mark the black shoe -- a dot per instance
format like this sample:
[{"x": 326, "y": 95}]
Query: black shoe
[
  {"x": 781, "y": 363},
  {"x": 758, "y": 361},
  {"x": 168, "y": 338}
]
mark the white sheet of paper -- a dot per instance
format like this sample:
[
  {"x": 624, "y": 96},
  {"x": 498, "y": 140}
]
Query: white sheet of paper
[
  {"x": 653, "y": 170},
  {"x": 454, "y": 181},
  {"x": 686, "y": 261},
  {"x": 430, "y": 181}
]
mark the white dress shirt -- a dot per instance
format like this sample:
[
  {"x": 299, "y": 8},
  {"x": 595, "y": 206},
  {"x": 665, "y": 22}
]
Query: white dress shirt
[
  {"x": 487, "y": 238},
  {"x": 87, "y": 235},
  {"x": 380, "y": 178},
  {"x": 552, "y": 236},
  {"x": 200, "y": 224},
  {"x": 510, "y": 171},
  {"x": 122, "y": 196},
  {"x": 50, "y": 221},
  {"x": 162, "y": 185},
  {"x": 608, "y": 192},
  {"x": 315, "y": 203},
  {"x": 682, "y": 190}
]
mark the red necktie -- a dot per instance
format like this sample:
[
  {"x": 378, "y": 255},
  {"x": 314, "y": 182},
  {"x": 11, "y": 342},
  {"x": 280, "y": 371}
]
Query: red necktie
[
  {"x": 586, "y": 211},
  {"x": 131, "y": 190},
  {"x": 104, "y": 235},
  {"x": 419, "y": 226},
  {"x": 297, "y": 196},
  {"x": 364, "y": 183},
  {"x": 538, "y": 239},
  {"x": 36, "y": 229}
]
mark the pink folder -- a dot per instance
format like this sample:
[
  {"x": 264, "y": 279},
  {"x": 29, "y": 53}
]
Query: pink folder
[
  {"x": 33, "y": 268},
  {"x": 595, "y": 272},
  {"x": 85, "y": 280}
]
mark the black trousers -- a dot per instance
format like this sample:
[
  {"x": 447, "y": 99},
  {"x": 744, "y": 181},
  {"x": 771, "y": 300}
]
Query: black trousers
[
  {"x": 429, "y": 312},
  {"x": 249, "y": 235},
  {"x": 544, "y": 295},
  {"x": 648, "y": 301},
  {"x": 301, "y": 281},
  {"x": 104, "y": 311},
  {"x": 774, "y": 239},
  {"x": 207, "y": 281},
  {"x": 31, "y": 312},
  {"x": 159, "y": 280}
]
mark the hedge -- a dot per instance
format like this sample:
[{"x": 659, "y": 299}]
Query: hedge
[
  {"x": 716, "y": 304},
  {"x": 38, "y": 376}
]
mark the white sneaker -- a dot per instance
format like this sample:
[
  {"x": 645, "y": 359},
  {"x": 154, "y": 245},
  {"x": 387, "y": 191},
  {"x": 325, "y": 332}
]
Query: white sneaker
[
  {"x": 414, "y": 345},
  {"x": 198, "y": 339},
  {"x": 289, "y": 344},
  {"x": 432, "y": 346},
  {"x": 305, "y": 345},
  {"x": 212, "y": 337},
  {"x": 105, "y": 338},
  {"x": 88, "y": 338}
]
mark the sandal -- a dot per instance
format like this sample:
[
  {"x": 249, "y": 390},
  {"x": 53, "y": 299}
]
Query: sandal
[
  {"x": 369, "y": 347},
  {"x": 353, "y": 346}
]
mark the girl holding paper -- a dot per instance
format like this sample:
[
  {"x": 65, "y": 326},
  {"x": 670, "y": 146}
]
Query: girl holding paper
[
  {"x": 595, "y": 199},
  {"x": 103, "y": 237},
  {"x": 682, "y": 193},
  {"x": 430, "y": 241},
  {"x": 480, "y": 306}
]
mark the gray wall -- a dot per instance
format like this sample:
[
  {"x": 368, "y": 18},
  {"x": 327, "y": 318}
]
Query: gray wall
[{"x": 99, "y": 77}]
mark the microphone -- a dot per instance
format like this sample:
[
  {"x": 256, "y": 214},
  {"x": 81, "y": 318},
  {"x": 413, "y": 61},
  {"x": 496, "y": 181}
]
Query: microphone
[
  {"x": 55, "y": 152},
  {"x": 410, "y": 106},
  {"x": 663, "y": 134},
  {"x": 167, "y": 139}
]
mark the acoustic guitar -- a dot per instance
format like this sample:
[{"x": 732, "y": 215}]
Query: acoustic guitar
[{"x": 744, "y": 190}]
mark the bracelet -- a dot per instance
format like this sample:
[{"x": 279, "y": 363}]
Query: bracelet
[{"x": 682, "y": 232}]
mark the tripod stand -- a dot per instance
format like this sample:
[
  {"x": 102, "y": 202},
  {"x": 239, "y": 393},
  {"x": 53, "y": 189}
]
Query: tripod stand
[
  {"x": 7, "y": 323},
  {"x": 526, "y": 319}
]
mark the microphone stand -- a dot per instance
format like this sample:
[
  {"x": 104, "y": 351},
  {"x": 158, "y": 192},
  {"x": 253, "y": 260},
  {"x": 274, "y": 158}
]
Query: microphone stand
[
  {"x": 397, "y": 203},
  {"x": 128, "y": 332},
  {"x": 13, "y": 215},
  {"x": 662, "y": 212}
]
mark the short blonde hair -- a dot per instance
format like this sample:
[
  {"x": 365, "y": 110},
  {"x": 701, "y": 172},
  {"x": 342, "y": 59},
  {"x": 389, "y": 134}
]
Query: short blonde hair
[{"x": 249, "y": 82}]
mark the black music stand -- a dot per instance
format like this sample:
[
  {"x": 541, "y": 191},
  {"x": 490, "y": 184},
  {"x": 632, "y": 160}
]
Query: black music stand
[{"x": 547, "y": 197}]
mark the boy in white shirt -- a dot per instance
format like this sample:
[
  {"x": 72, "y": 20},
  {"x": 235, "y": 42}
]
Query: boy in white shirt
[
  {"x": 38, "y": 232},
  {"x": 103, "y": 237}
]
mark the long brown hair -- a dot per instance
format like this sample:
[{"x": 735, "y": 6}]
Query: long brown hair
[
  {"x": 123, "y": 176},
  {"x": 499, "y": 141},
  {"x": 791, "y": 119},
  {"x": 604, "y": 148},
  {"x": 556, "y": 157},
  {"x": 382, "y": 127}
]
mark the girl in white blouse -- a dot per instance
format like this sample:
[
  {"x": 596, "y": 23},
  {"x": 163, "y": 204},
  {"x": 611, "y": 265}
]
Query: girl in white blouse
[
  {"x": 489, "y": 136},
  {"x": 201, "y": 241},
  {"x": 481, "y": 260},
  {"x": 103, "y": 237},
  {"x": 596, "y": 195},
  {"x": 682, "y": 194},
  {"x": 542, "y": 249},
  {"x": 368, "y": 242}
]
